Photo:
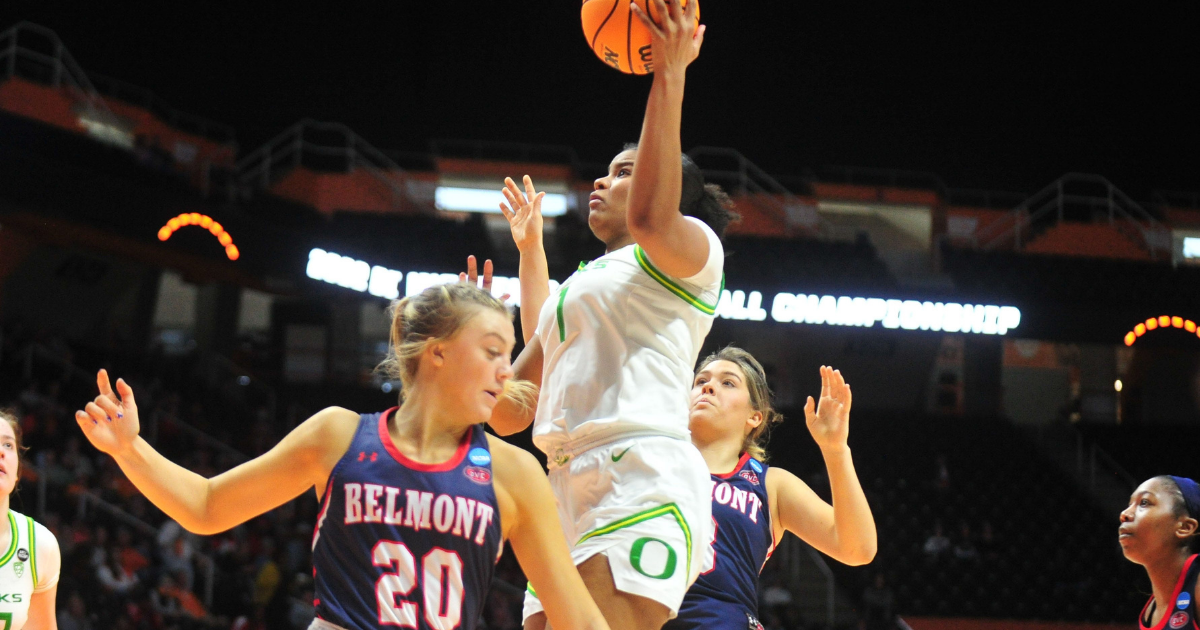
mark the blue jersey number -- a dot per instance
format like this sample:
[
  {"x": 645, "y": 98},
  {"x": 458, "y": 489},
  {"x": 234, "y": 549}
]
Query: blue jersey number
[{"x": 440, "y": 580}]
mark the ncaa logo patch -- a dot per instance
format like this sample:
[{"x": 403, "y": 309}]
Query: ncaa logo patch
[
  {"x": 22, "y": 554},
  {"x": 481, "y": 476},
  {"x": 756, "y": 466},
  {"x": 749, "y": 476},
  {"x": 480, "y": 457},
  {"x": 1178, "y": 620},
  {"x": 1183, "y": 601}
]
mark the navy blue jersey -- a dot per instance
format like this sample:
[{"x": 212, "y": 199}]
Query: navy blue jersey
[
  {"x": 726, "y": 597},
  {"x": 399, "y": 543},
  {"x": 1183, "y": 606}
]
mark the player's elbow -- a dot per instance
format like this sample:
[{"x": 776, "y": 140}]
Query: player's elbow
[{"x": 862, "y": 554}]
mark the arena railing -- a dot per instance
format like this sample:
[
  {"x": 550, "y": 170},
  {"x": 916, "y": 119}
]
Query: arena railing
[
  {"x": 283, "y": 153},
  {"x": 505, "y": 151},
  {"x": 737, "y": 174},
  {"x": 88, "y": 498},
  {"x": 60, "y": 70},
  {"x": 64, "y": 71},
  {"x": 1052, "y": 203}
]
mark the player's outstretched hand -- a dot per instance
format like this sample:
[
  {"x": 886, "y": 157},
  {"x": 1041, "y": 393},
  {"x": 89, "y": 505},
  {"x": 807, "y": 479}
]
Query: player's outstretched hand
[
  {"x": 677, "y": 40},
  {"x": 524, "y": 213},
  {"x": 110, "y": 422},
  {"x": 829, "y": 419},
  {"x": 471, "y": 276}
]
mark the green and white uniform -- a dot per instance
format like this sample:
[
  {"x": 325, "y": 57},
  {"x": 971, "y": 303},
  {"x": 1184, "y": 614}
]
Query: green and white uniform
[
  {"x": 620, "y": 340},
  {"x": 30, "y": 564}
]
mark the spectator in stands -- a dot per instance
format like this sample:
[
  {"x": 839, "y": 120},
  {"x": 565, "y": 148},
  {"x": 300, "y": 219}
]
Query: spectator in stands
[
  {"x": 878, "y": 604},
  {"x": 176, "y": 550},
  {"x": 74, "y": 615},
  {"x": 937, "y": 544},
  {"x": 941, "y": 479},
  {"x": 1159, "y": 530},
  {"x": 113, "y": 576},
  {"x": 988, "y": 549},
  {"x": 964, "y": 547}
]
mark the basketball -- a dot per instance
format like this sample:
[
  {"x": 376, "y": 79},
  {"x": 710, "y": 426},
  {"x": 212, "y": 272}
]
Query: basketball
[{"x": 618, "y": 37}]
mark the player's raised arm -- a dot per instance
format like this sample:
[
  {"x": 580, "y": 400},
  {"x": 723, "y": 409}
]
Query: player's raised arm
[
  {"x": 530, "y": 522},
  {"x": 524, "y": 213},
  {"x": 846, "y": 530},
  {"x": 677, "y": 246},
  {"x": 302, "y": 460}
]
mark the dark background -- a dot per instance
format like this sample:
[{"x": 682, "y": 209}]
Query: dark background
[{"x": 996, "y": 95}]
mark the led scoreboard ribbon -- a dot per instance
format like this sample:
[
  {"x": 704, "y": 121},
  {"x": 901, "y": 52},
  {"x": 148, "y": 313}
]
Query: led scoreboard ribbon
[{"x": 985, "y": 319}]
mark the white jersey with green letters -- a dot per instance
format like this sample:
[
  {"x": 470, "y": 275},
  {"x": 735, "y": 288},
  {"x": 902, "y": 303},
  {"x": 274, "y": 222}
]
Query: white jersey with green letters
[
  {"x": 621, "y": 339},
  {"x": 30, "y": 564}
]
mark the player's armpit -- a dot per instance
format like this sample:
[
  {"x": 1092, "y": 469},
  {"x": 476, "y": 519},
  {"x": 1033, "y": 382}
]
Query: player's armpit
[{"x": 538, "y": 542}]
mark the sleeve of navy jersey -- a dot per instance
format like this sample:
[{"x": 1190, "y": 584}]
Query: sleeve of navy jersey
[
  {"x": 726, "y": 597},
  {"x": 398, "y": 543}
]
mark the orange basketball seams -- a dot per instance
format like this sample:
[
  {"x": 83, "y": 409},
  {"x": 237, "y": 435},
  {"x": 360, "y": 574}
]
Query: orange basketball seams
[{"x": 617, "y": 37}]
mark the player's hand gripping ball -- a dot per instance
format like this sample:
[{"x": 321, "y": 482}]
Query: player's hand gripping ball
[{"x": 618, "y": 37}]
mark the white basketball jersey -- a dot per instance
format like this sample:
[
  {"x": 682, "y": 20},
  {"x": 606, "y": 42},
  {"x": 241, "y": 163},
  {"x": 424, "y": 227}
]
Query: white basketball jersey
[
  {"x": 30, "y": 564},
  {"x": 621, "y": 341}
]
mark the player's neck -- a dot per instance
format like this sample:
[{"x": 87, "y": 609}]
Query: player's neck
[
  {"x": 5, "y": 526},
  {"x": 624, "y": 241},
  {"x": 1164, "y": 575},
  {"x": 424, "y": 432},
  {"x": 720, "y": 455}
]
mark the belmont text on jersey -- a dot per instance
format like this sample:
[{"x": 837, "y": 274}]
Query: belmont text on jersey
[
  {"x": 726, "y": 596},
  {"x": 405, "y": 544},
  {"x": 375, "y": 503}
]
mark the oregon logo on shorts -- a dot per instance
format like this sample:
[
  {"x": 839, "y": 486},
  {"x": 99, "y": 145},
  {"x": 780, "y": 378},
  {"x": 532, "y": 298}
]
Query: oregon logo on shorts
[{"x": 639, "y": 547}]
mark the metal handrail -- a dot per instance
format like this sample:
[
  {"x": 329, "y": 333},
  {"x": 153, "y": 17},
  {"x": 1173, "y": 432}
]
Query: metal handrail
[
  {"x": 87, "y": 496},
  {"x": 893, "y": 177},
  {"x": 751, "y": 179},
  {"x": 1177, "y": 198},
  {"x": 66, "y": 72},
  {"x": 1123, "y": 212},
  {"x": 486, "y": 149},
  {"x": 285, "y": 152},
  {"x": 830, "y": 584}
]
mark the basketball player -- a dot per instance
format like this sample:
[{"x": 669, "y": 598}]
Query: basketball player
[
  {"x": 614, "y": 350},
  {"x": 1158, "y": 531},
  {"x": 416, "y": 501},
  {"x": 753, "y": 504},
  {"x": 30, "y": 560}
]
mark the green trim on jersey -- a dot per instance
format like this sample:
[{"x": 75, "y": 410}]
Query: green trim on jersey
[
  {"x": 670, "y": 285},
  {"x": 32, "y": 551},
  {"x": 662, "y": 510},
  {"x": 12, "y": 549},
  {"x": 529, "y": 589},
  {"x": 562, "y": 330}
]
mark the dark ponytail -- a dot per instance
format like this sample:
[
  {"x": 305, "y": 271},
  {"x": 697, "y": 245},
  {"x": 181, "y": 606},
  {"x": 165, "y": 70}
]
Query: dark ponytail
[{"x": 707, "y": 202}]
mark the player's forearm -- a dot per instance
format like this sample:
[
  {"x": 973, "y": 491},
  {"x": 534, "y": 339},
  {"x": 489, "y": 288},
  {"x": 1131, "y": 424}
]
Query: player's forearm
[
  {"x": 177, "y": 491},
  {"x": 534, "y": 273},
  {"x": 853, "y": 522},
  {"x": 657, "y": 172}
]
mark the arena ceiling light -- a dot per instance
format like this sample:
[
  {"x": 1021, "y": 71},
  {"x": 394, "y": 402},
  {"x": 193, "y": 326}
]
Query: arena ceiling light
[
  {"x": 459, "y": 199},
  {"x": 206, "y": 222},
  {"x": 1162, "y": 321}
]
